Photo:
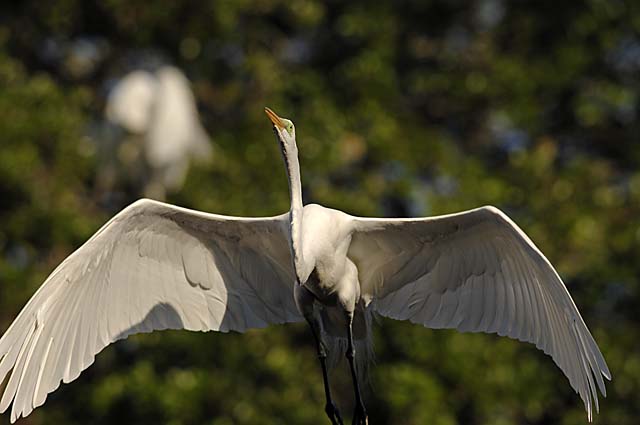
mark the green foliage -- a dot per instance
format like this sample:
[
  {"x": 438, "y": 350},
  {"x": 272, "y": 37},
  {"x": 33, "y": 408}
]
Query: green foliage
[{"x": 401, "y": 108}]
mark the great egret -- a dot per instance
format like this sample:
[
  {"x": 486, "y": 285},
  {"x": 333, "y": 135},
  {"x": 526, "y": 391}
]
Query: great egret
[
  {"x": 158, "y": 266},
  {"x": 161, "y": 108}
]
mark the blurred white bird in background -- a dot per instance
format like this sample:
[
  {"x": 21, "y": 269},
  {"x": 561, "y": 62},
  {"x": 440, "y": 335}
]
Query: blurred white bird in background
[
  {"x": 130, "y": 101},
  {"x": 160, "y": 108}
]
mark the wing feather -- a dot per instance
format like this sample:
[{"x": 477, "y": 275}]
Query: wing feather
[
  {"x": 489, "y": 305},
  {"x": 153, "y": 266},
  {"x": 476, "y": 271}
]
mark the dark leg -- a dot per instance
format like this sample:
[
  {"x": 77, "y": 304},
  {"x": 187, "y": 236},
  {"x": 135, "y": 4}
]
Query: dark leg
[
  {"x": 330, "y": 407},
  {"x": 305, "y": 302},
  {"x": 360, "y": 415}
]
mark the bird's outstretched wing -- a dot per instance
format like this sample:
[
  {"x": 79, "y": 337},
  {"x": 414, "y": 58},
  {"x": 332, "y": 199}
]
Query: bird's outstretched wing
[
  {"x": 153, "y": 266},
  {"x": 476, "y": 271}
]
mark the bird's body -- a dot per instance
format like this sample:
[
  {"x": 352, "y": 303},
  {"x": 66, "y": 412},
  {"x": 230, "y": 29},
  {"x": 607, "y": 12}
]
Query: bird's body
[
  {"x": 157, "y": 266},
  {"x": 328, "y": 274},
  {"x": 331, "y": 277}
]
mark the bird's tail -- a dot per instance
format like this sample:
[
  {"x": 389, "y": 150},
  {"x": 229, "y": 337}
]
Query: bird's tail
[{"x": 363, "y": 342}]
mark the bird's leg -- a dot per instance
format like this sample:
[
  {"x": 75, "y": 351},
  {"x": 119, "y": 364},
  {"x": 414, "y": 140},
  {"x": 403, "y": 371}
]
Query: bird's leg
[
  {"x": 360, "y": 415},
  {"x": 330, "y": 407},
  {"x": 305, "y": 302}
]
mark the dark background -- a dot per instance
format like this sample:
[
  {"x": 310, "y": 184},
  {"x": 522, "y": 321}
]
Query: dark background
[{"x": 401, "y": 108}]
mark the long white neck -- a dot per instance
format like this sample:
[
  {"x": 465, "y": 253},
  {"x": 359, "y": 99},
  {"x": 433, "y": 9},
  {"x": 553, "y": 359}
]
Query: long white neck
[{"x": 295, "y": 214}]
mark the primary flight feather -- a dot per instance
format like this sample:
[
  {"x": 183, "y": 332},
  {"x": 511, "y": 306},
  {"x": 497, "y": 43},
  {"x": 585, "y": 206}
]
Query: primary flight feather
[{"x": 157, "y": 266}]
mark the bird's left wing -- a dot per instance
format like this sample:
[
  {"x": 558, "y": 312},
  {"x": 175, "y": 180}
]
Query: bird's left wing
[
  {"x": 153, "y": 266},
  {"x": 476, "y": 271}
]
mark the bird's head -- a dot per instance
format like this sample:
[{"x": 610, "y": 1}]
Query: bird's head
[{"x": 285, "y": 131}]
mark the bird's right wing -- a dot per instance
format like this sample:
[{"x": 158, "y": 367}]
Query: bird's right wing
[
  {"x": 476, "y": 271},
  {"x": 153, "y": 266}
]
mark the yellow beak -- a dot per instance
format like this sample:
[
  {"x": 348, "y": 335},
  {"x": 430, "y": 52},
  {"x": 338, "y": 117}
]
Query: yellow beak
[{"x": 276, "y": 120}]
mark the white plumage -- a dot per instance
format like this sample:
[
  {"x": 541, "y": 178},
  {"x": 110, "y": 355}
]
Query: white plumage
[
  {"x": 153, "y": 266},
  {"x": 157, "y": 266},
  {"x": 477, "y": 271},
  {"x": 131, "y": 100},
  {"x": 161, "y": 108}
]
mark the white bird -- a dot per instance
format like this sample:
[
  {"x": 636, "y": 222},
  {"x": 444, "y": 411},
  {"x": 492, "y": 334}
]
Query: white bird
[
  {"x": 161, "y": 108},
  {"x": 131, "y": 100},
  {"x": 157, "y": 266}
]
